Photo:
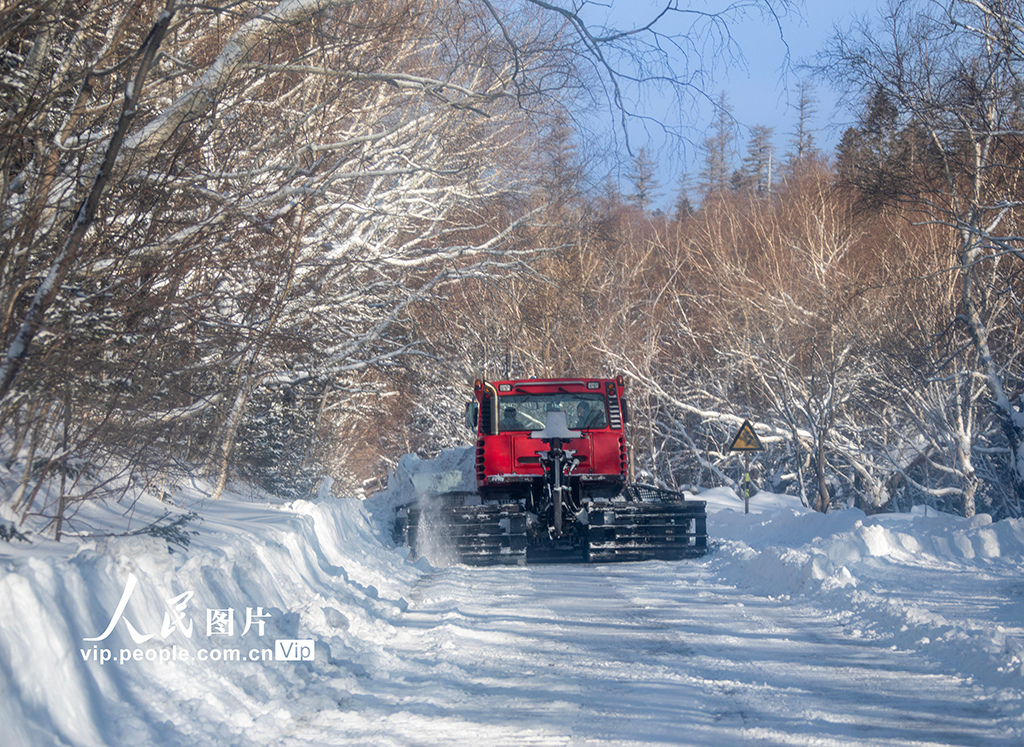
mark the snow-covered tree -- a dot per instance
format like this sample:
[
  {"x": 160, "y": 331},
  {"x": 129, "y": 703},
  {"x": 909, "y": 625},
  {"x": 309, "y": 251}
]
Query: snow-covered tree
[
  {"x": 243, "y": 198},
  {"x": 950, "y": 77}
]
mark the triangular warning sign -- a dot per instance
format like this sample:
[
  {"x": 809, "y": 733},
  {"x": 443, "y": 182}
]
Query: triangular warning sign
[{"x": 745, "y": 439}]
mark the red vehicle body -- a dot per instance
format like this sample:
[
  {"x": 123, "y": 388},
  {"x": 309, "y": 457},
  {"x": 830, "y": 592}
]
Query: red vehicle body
[
  {"x": 508, "y": 415},
  {"x": 551, "y": 472}
]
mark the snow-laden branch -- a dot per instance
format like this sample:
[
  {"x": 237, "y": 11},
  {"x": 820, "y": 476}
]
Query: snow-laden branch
[{"x": 197, "y": 101}]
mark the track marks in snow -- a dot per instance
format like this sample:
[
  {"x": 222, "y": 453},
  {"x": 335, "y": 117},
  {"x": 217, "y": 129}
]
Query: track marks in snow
[
  {"x": 656, "y": 653},
  {"x": 645, "y": 654},
  {"x": 795, "y": 674}
]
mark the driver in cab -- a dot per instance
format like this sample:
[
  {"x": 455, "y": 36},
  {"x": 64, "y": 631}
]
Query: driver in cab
[{"x": 510, "y": 421}]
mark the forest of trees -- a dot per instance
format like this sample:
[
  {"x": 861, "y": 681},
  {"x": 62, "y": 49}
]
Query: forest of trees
[{"x": 276, "y": 241}]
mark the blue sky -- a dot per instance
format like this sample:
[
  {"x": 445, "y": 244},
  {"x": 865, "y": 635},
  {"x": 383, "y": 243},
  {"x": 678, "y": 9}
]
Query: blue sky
[
  {"x": 760, "y": 95},
  {"x": 760, "y": 88}
]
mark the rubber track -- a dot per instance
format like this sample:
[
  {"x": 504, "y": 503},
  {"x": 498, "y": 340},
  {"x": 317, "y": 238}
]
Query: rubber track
[
  {"x": 481, "y": 535},
  {"x": 647, "y": 531},
  {"x": 618, "y": 531}
]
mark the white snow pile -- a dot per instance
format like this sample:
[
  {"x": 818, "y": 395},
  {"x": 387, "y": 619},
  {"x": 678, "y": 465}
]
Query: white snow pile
[
  {"x": 274, "y": 612},
  {"x": 941, "y": 583},
  {"x": 186, "y": 662}
]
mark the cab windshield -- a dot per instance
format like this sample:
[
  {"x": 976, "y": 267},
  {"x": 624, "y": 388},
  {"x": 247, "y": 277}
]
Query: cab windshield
[{"x": 528, "y": 412}]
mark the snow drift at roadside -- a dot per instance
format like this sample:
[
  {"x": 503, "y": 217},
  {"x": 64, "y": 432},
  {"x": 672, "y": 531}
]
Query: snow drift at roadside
[
  {"x": 306, "y": 570},
  {"x": 325, "y": 570}
]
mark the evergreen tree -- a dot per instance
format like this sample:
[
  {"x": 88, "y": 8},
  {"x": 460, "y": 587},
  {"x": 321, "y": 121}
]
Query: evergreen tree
[
  {"x": 802, "y": 147},
  {"x": 642, "y": 175},
  {"x": 683, "y": 208},
  {"x": 755, "y": 175},
  {"x": 876, "y": 156},
  {"x": 560, "y": 170},
  {"x": 719, "y": 150}
]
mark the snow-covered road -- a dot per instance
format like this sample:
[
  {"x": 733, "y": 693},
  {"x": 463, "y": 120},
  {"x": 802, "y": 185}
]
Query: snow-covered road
[
  {"x": 647, "y": 654},
  {"x": 798, "y": 628}
]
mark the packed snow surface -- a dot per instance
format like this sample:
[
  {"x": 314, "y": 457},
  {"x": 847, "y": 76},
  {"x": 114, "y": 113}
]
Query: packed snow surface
[{"x": 302, "y": 624}]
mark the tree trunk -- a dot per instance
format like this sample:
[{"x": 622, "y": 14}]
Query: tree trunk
[
  {"x": 18, "y": 350},
  {"x": 234, "y": 420},
  {"x": 824, "y": 499},
  {"x": 1010, "y": 418}
]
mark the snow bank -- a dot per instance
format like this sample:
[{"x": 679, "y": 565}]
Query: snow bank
[
  {"x": 451, "y": 472},
  {"x": 260, "y": 580},
  {"x": 941, "y": 584},
  {"x": 785, "y": 548},
  {"x": 303, "y": 571}
]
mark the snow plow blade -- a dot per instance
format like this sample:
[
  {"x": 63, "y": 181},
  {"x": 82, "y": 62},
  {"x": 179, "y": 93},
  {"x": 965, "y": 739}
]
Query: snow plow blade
[
  {"x": 647, "y": 531},
  {"x": 478, "y": 535}
]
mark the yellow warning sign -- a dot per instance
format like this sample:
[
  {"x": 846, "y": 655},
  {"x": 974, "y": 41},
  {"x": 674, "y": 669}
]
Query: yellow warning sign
[{"x": 745, "y": 439}]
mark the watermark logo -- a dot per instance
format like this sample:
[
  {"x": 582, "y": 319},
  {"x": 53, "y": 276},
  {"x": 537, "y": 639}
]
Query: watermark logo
[
  {"x": 285, "y": 650},
  {"x": 219, "y": 623}
]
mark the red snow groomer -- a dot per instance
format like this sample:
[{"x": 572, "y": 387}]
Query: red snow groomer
[{"x": 551, "y": 473}]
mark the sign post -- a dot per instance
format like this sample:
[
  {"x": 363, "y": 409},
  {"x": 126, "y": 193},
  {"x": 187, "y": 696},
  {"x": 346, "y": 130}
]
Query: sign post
[{"x": 746, "y": 441}]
